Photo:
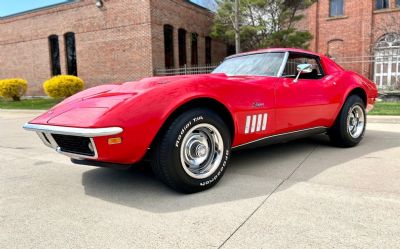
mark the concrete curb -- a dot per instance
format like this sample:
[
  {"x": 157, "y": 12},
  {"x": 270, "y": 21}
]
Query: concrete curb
[
  {"x": 10, "y": 113},
  {"x": 27, "y": 111},
  {"x": 383, "y": 119}
]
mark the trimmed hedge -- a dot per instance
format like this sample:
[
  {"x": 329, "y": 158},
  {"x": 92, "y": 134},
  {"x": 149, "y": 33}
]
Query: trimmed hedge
[
  {"x": 63, "y": 86},
  {"x": 13, "y": 88}
]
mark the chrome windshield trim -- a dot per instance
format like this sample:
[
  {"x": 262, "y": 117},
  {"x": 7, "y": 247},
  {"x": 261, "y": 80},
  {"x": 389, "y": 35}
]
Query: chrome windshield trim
[
  {"x": 82, "y": 132},
  {"x": 282, "y": 68}
]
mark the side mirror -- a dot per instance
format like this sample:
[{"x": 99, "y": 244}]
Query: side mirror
[{"x": 303, "y": 68}]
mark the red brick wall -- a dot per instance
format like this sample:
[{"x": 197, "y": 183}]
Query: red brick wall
[
  {"x": 181, "y": 14},
  {"x": 122, "y": 41},
  {"x": 112, "y": 43},
  {"x": 352, "y": 35}
]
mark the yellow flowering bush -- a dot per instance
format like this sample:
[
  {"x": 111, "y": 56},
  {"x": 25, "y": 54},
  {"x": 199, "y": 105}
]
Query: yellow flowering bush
[
  {"x": 13, "y": 88},
  {"x": 63, "y": 86}
]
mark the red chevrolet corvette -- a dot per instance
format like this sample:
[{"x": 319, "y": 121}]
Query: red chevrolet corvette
[{"x": 187, "y": 125}]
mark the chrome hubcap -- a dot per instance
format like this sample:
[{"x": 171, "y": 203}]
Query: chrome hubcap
[
  {"x": 356, "y": 121},
  {"x": 201, "y": 151}
]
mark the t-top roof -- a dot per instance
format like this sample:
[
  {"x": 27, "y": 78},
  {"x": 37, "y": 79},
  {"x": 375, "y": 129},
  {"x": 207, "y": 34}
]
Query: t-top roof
[{"x": 271, "y": 50}]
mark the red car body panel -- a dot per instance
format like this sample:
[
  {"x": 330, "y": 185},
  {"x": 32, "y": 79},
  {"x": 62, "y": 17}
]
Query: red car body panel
[{"x": 141, "y": 108}]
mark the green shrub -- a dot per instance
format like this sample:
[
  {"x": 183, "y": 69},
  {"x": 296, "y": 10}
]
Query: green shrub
[
  {"x": 13, "y": 88},
  {"x": 63, "y": 86}
]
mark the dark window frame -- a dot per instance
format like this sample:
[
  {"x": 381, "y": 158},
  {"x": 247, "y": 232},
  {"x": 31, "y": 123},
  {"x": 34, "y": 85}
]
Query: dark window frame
[
  {"x": 182, "y": 47},
  {"x": 54, "y": 53},
  {"x": 336, "y": 11},
  {"x": 308, "y": 56},
  {"x": 194, "y": 38},
  {"x": 208, "y": 50},
  {"x": 70, "y": 53},
  {"x": 169, "y": 46}
]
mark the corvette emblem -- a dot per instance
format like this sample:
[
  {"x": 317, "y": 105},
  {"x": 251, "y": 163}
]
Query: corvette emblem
[{"x": 258, "y": 104}]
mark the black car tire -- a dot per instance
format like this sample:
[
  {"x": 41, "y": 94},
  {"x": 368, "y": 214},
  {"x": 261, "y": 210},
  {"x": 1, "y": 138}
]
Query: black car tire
[
  {"x": 169, "y": 157},
  {"x": 340, "y": 134}
]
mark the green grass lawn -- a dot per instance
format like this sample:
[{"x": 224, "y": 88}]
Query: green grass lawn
[
  {"x": 386, "y": 108},
  {"x": 31, "y": 104}
]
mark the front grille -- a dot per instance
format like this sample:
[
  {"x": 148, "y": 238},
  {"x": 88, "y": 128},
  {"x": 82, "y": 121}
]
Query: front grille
[{"x": 74, "y": 144}]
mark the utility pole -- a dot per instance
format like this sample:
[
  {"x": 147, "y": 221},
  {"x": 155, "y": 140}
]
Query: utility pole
[{"x": 237, "y": 26}]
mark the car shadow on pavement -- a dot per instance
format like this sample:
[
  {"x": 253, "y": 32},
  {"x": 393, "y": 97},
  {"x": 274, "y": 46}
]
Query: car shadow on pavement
[{"x": 252, "y": 173}]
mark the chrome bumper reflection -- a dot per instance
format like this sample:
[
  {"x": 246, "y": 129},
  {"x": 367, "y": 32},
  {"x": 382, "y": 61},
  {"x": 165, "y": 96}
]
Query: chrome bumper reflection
[
  {"x": 81, "y": 132},
  {"x": 45, "y": 133}
]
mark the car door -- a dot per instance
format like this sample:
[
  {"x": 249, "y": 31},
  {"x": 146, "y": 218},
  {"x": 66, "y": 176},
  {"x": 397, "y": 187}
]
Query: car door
[
  {"x": 307, "y": 103},
  {"x": 254, "y": 103},
  {"x": 252, "y": 94}
]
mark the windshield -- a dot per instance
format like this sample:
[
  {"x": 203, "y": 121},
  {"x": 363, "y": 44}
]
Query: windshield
[{"x": 263, "y": 64}]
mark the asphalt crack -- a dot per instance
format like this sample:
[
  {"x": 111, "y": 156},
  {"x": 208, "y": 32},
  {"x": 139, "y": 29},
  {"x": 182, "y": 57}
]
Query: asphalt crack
[{"x": 267, "y": 197}]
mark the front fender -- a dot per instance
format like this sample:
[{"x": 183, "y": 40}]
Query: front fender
[{"x": 143, "y": 117}]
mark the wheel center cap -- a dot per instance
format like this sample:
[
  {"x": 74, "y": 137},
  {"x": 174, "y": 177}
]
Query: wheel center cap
[
  {"x": 201, "y": 150},
  {"x": 353, "y": 121}
]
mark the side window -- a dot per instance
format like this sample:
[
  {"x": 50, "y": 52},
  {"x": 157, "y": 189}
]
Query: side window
[{"x": 296, "y": 59}]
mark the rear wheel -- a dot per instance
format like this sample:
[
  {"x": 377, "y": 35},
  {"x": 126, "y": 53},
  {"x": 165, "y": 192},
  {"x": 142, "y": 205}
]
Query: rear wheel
[
  {"x": 349, "y": 127},
  {"x": 193, "y": 152}
]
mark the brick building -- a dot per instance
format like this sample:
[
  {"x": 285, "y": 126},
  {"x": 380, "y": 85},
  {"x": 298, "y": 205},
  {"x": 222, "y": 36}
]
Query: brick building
[
  {"x": 105, "y": 41},
  {"x": 362, "y": 35}
]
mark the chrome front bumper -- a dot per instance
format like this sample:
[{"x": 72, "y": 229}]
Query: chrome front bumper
[{"x": 46, "y": 132}]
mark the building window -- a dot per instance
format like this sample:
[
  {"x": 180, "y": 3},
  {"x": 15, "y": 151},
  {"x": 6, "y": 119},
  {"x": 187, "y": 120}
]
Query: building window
[
  {"x": 386, "y": 61},
  {"x": 230, "y": 49},
  {"x": 195, "y": 55},
  {"x": 336, "y": 8},
  {"x": 70, "y": 53},
  {"x": 182, "y": 47},
  {"x": 54, "y": 55},
  {"x": 208, "y": 50},
  {"x": 381, "y": 4},
  {"x": 169, "y": 46}
]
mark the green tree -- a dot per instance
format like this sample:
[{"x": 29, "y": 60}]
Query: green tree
[{"x": 262, "y": 23}]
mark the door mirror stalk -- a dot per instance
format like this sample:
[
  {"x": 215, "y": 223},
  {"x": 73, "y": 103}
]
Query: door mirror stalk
[{"x": 302, "y": 68}]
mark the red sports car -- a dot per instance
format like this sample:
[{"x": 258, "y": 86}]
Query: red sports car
[{"x": 187, "y": 125}]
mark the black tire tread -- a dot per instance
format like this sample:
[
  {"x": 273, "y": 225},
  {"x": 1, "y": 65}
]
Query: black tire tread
[
  {"x": 160, "y": 151},
  {"x": 338, "y": 132},
  {"x": 159, "y": 167}
]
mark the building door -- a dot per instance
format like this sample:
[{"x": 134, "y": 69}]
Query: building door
[{"x": 387, "y": 62}]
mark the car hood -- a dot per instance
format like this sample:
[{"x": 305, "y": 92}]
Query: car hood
[
  {"x": 177, "y": 81},
  {"x": 86, "y": 107}
]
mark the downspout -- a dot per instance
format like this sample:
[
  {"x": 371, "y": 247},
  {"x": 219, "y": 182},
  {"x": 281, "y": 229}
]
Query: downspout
[{"x": 317, "y": 28}]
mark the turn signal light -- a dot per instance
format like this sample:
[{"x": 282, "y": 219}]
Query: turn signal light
[{"x": 114, "y": 140}]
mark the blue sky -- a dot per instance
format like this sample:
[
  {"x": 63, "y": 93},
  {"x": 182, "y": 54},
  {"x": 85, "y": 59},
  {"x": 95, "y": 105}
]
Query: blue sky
[
  {"x": 9, "y": 7},
  {"x": 210, "y": 4}
]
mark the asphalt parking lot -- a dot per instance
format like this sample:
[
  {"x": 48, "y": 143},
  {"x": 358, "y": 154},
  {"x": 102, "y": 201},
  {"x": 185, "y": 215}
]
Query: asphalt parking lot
[{"x": 303, "y": 194}]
